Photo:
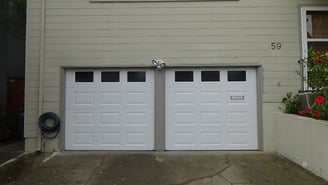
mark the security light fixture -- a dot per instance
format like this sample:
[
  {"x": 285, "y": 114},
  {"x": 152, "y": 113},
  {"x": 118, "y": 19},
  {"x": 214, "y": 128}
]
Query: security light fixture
[{"x": 160, "y": 64}]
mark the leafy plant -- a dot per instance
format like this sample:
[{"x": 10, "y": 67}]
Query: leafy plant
[
  {"x": 317, "y": 110},
  {"x": 317, "y": 66},
  {"x": 292, "y": 103},
  {"x": 21, "y": 4}
]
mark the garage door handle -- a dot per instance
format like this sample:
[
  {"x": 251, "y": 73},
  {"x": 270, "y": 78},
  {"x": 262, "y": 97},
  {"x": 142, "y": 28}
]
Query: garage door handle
[{"x": 237, "y": 97}]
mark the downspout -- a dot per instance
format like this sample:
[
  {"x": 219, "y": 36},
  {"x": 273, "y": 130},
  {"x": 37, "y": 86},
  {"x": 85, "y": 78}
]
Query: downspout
[{"x": 41, "y": 69}]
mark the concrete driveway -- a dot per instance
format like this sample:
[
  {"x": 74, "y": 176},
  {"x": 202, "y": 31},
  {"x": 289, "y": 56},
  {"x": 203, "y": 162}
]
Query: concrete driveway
[
  {"x": 10, "y": 150},
  {"x": 151, "y": 168}
]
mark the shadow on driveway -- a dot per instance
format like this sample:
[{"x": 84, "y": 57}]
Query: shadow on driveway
[
  {"x": 152, "y": 168},
  {"x": 10, "y": 150}
]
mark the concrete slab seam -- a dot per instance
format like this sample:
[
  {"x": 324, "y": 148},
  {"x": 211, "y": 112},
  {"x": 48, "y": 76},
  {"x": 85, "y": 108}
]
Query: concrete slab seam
[
  {"x": 88, "y": 181},
  {"x": 14, "y": 159},
  {"x": 51, "y": 156}
]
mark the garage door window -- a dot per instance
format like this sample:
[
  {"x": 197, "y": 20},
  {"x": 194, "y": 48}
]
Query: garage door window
[
  {"x": 210, "y": 76},
  {"x": 136, "y": 76},
  {"x": 236, "y": 76},
  {"x": 184, "y": 76},
  {"x": 110, "y": 76},
  {"x": 84, "y": 76}
]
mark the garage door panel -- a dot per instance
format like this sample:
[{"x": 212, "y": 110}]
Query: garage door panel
[
  {"x": 238, "y": 139},
  {"x": 136, "y": 138},
  {"x": 211, "y": 97},
  {"x": 83, "y": 139},
  {"x": 84, "y": 98},
  {"x": 110, "y": 98},
  {"x": 137, "y": 97},
  {"x": 83, "y": 118},
  {"x": 106, "y": 128},
  {"x": 184, "y": 138},
  {"x": 184, "y": 117},
  {"x": 210, "y": 107},
  {"x": 211, "y": 139},
  {"x": 110, "y": 118},
  {"x": 238, "y": 118},
  {"x": 222, "y": 113},
  {"x": 80, "y": 98},
  {"x": 211, "y": 128},
  {"x": 210, "y": 117},
  {"x": 182, "y": 98},
  {"x": 241, "y": 139},
  {"x": 110, "y": 139},
  {"x": 181, "y": 119},
  {"x": 119, "y": 114},
  {"x": 137, "y": 106}
]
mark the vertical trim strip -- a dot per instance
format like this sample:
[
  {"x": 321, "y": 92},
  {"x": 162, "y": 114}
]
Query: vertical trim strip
[
  {"x": 259, "y": 85},
  {"x": 159, "y": 110}
]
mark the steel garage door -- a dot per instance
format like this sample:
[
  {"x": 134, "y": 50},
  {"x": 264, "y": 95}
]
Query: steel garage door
[
  {"x": 109, "y": 110},
  {"x": 211, "y": 109}
]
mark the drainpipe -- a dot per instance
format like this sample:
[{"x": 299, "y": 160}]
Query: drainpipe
[{"x": 41, "y": 69}]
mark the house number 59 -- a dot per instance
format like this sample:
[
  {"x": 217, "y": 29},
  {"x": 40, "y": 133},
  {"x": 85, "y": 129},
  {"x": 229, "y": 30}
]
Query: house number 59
[{"x": 275, "y": 45}]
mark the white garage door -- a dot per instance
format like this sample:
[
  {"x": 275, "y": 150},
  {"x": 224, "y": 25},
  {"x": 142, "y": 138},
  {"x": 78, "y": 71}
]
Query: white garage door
[
  {"x": 109, "y": 110},
  {"x": 211, "y": 109}
]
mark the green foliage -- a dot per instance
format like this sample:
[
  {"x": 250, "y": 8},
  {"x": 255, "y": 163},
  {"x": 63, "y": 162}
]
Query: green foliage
[
  {"x": 317, "y": 66},
  {"x": 322, "y": 108},
  {"x": 292, "y": 103},
  {"x": 21, "y": 4}
]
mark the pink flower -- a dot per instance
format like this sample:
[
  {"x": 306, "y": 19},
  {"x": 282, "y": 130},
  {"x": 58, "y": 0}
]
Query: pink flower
[
  {"x": 307, "y": 110},
  {"x": 318, "y": 53},
  {"x": 319, "y": 100},
  {"x": 301, "y": 112}
]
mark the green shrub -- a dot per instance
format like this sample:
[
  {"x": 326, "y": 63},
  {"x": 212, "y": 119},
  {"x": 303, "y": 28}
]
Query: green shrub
[{"x": 292, "y": 103}]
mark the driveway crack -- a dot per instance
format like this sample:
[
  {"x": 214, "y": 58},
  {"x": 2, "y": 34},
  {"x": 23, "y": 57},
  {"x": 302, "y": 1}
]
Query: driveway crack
[
  {"x": 228, "y": 165},
  {"x": 224, "y": 169},
  {"x": 88, "y": 181}
]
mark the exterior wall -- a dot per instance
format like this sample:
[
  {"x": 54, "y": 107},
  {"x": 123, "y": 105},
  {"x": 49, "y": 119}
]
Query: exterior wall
[
  {"x": 83, "y": 34},
  {"x": 303, "y": 140},
  {"x": 33, "y": 35}
]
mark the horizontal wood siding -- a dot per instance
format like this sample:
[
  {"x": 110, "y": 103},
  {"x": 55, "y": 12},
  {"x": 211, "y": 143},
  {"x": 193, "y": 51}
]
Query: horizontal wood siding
[
  {"x": 32, "y": 68},
  {"x": 83, "y": 34},
  {"x": 80, "y": 33}
]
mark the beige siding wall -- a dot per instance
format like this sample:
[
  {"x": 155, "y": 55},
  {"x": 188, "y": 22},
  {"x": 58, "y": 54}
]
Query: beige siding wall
[
  {"x": 83, "y": 34},
  {"x": 32, "y": 73}
]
